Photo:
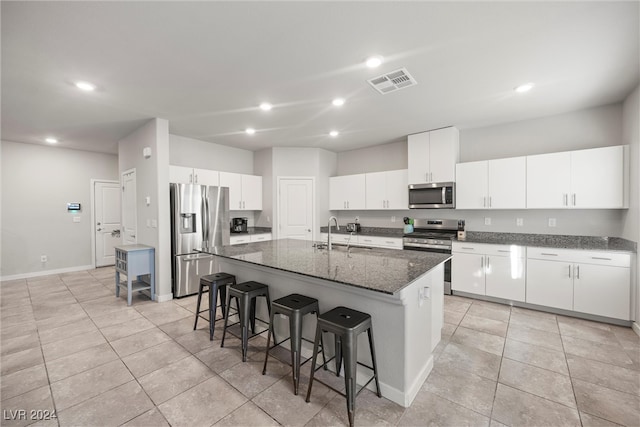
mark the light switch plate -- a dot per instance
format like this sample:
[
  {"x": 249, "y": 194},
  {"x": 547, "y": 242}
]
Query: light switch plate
[
  {"x": 519, "y": 222},
  {"x": 487, "y": 221},
  {"x": 552, "y": 222}
]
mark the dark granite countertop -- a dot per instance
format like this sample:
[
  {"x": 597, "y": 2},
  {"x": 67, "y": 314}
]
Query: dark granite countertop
[
  {"x": 553, "y": 241},
  {"x": 381, "y": 270},
  {"x": 254, "y": 230},
  {"x": 367, "y": 231}
]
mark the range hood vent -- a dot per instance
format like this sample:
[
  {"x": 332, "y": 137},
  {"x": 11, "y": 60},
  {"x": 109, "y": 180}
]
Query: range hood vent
[{"x": 393, "y": 81}]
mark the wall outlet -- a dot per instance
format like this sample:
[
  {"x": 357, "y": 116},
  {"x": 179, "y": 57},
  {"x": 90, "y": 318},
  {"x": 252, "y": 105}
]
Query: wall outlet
[
  {"x": 154, "y": 223},
  {"x": 552, "y": 222},
  {"x": 519, "y": 222},
  {"x": 487, "y": 221},
  {"x": 43, "y": 258},
  {"x": 393, "y": 219},
  {"x": 76, "y": 219},
  {"x": 357, "y": 219},
  {"x": 148, "y": 223}
]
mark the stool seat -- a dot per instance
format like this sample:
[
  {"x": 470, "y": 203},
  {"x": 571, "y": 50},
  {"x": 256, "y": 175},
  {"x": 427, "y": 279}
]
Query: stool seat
[
  {"x": 216, "y": 283},
  {"x": 217, "y": 276},
  {"x": 245, "y": 294},
  {"x": 294, "y": 306},
  {"x": 346, "y": 324}
]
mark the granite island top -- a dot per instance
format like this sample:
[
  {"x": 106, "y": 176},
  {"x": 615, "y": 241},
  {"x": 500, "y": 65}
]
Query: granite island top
[
  {"x": 367, "y": 231},
  {"x": 253, "y": 230},
  {"x": 381, "y": 270}
]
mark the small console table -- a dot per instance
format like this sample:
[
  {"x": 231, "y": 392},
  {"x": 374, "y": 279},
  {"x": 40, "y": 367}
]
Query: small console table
[{"x": 135, "y": 261}]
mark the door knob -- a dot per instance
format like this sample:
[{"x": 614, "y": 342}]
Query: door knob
[{"x": 98, "y": 229}]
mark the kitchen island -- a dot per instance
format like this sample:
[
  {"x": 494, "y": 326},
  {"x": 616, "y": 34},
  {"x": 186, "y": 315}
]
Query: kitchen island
[{"x": 401, "y": 290}]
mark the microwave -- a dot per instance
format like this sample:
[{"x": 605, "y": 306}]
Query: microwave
[{"x": 435, "y": 195}]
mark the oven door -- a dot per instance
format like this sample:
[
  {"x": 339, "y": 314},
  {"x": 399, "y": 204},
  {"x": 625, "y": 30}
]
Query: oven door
[{"x": 447, "y": 264}]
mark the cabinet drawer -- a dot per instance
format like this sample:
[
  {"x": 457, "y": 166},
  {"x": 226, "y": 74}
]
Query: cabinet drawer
[
  {"x": 469, "y": 248},
  {"x": 512, "y": 251},
  {"x": 260, "y": 237},
  {"x": 236, "y": 240},
  {"x": 380, "y": 242},
  {"x": 617, "y": 259}
]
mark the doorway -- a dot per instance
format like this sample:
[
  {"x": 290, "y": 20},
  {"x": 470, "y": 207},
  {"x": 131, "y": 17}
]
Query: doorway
[
  {"x": 105, "y": 195},
  {"x": 296, "y": 214},
  {"x": 129, "y": 208}
]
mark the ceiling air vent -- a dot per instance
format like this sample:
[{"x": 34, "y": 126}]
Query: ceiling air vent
[{"x": 390, "y": 82}]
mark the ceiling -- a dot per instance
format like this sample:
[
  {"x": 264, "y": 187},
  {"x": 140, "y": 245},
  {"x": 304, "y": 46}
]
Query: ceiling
[{"x": 206, "y": 66}]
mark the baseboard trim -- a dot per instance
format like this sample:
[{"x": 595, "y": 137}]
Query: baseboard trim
[
  {"x": 46, "y": 272},
  {"x": 636, "y": 328},
  {"x": 164, "y": 298}
]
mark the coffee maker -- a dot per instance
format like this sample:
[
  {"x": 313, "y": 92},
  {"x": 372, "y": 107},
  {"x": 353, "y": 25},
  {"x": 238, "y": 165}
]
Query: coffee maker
[{"x": 238, "y": 225}]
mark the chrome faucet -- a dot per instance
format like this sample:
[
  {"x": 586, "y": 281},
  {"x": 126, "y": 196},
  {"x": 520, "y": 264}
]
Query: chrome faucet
[{"x": 329, "y": 233}]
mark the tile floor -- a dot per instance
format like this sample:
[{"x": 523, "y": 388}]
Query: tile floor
[{"x": 69, "y": 346}]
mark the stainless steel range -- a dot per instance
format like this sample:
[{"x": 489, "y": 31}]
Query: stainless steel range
[{"x": 434, "y": 235}]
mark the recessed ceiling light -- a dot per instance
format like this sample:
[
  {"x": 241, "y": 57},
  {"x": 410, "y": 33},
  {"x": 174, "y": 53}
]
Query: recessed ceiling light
[
  {"x": 265, "y": 106},
  {"x": 86, "y": 86},
  {"x": 524, "y": 88},
  {"x": 51, "y": 140},
  {"x": 338, "y": 102},
  {"x": 374, "y": 61},
  {"x": 334, "y": 133},
  {"x": 250, "y": 131}
]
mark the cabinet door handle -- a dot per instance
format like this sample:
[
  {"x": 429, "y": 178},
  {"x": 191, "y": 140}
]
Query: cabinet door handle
[
  {"x": 503, "y": 250},
  {"x": 484, "y": 202},
  {"x": 471, "y": 249},
  {"x": 603, "y": 258},
  {"x": 578, "y": 272},
  {"x": 569, "y": 270},
  {"x": 347, "y": 204},
  {"x": 240, "y": 205},
  {"x": 243, "y": 205},
  {"x": 543, "y": 253},
  {"x": 489, "y": 201},
  {"x": 482, "y": 262},
  {"x": 191, "y": 178},
  {"x": 488, "y": 264},
  {"x": 565, "y": 199},
  {"x": 196, "y": 177},
  {"x": 574, "y": 199}
]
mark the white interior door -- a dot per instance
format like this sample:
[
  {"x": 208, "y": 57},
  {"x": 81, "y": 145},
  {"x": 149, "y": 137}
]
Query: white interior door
[
  {"x": 107, "y": 216},
  {"x": 129, "y": 208},
  {"x": 295, "y": 208}
]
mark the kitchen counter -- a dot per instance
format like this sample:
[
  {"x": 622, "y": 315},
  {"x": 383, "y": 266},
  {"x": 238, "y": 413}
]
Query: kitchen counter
[
  {"x": 403, "y": 291},
  {"x": 367, "y": 231},
  {"x": 380, "y": 270},
  {"x": 254, "y": 230},
  {"x": 553, "y": 241}
]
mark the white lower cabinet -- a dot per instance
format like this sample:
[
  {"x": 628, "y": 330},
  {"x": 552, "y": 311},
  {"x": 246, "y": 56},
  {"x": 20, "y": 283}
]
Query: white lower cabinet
[
  {"x": 249, "y": 238},
  {"x": 492, "y": 270},
  {"x": 549, "y": 283},
  {"x": 591, "y": 282},
  {"x": 362, "y": 240}
]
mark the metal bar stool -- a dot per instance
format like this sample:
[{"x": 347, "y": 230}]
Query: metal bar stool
[
  {"x": 245, "y": 294},
  {"x": 294, "y": 306},
  {"x": 214, "y": 283},
  {"x": 346, "y": 324}
]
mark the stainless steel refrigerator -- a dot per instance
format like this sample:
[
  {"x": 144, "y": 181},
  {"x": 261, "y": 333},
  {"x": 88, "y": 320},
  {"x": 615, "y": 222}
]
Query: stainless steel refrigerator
[{"x": 199, "y": 220}]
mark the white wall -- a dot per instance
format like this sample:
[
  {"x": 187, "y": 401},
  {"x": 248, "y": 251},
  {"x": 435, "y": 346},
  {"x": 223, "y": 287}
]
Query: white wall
[
  {"x": 631, "y": 223},
  {"x": 589, "y": 128},
  {"x": 37, "y": 183},
  {"x": 152, "y": 180},
  {"x": 194, "y": 153},
  {"x": 294, "y": 162},
  {"x": 386, "y": 157}
]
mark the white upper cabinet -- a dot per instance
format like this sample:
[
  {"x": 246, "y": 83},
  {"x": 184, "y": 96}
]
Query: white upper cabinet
[
  {"x": 347, "y": 192},
  {"x": 583, "y": 179},
  {"x": 508, "y": 183},
  {"x": 597, "y": 178},
  {"x": 185, "y": 175},
  {"x": 472, "y": 185},
  {"x": 492, "y": 184},
  {"x": 432, "y": 156},
  {"x": 387, "y": 190},
  {"x": 245, "y": 191}
]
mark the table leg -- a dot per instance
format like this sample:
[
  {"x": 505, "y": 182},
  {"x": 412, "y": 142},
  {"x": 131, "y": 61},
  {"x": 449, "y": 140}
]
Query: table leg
[
  {"x": 117, "y": 283},
  {"x": 129, "y": 289}
]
